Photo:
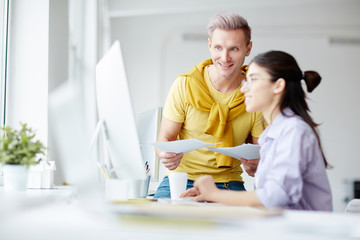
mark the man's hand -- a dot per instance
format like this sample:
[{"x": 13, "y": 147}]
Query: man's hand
[
  {"x": 170, "y": 160},
  {"x": 169, "y": 131},
  {"x": 250, "y": 165}
]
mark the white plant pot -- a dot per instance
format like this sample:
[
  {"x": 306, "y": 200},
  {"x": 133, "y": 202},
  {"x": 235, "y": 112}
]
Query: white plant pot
[{"x": 15, "y": 177}]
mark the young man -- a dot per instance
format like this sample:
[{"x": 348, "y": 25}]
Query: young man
[{"x": 206, "y": 104}]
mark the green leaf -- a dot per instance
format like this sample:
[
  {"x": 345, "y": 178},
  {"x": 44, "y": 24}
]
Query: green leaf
[{"x": 19, "y": 147}]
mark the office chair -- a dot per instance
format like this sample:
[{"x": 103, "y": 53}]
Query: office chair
[{"x": 353, "y": 206}]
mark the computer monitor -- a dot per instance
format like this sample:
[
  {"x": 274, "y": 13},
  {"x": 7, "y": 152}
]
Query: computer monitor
[
  {"x": 148, "y": 124},
  {"x": 117, "y": 116},
  {"x": 69, "y": 139}
]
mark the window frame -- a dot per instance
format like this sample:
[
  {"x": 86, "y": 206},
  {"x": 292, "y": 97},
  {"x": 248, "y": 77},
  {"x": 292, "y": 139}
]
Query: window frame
[{"x": 4, "y": 27}]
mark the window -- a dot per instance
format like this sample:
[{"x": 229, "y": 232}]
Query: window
[{"x": 4, "y": 10}]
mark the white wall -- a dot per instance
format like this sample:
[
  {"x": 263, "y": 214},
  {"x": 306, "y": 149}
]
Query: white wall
[
  {"x": 58, "y": 69},
  {"x": 72, "y": 58},
  {"x": 28, "y": 65},
  {"x": 322, "y": 35}
]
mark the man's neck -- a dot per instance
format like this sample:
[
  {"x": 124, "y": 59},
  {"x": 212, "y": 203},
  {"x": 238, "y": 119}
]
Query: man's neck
[{"x": 224, "y": 85}]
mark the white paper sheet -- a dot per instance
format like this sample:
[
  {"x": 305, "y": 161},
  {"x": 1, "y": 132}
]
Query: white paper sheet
[
  {"x": 247, "y": 151},
  {"x": 184, "y": 146}
]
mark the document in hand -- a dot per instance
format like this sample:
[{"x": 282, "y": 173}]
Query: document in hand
[
  {"x": 183, "y": 146},
  {"x": 247, "y": 151}
]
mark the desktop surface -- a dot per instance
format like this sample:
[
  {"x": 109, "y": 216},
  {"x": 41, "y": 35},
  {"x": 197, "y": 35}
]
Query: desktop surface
[{"x": 94, "y": 218}]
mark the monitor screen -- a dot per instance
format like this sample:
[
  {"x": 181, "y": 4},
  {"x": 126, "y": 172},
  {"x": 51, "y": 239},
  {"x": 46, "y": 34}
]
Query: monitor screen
[
  {"x": 148, "y": 124},
  {"x": 117, "y": 115},
  {"x": 69, "y": 141}
]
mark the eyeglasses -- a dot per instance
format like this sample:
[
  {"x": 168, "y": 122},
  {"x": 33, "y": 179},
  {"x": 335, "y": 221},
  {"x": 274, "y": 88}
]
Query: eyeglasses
[{"x": 246, "y": 83}]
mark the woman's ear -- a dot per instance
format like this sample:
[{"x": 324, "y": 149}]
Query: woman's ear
[{"x": 279, "y": 86}]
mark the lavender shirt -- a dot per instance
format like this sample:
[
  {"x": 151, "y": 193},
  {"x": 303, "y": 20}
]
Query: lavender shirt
[{"x": 291, "y": 172}]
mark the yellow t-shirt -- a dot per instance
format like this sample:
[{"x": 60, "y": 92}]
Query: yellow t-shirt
[{"x": 203, "y": 161}]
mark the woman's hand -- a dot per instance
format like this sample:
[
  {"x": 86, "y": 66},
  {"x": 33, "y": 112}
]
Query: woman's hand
[{"x": 204, "y": 189}]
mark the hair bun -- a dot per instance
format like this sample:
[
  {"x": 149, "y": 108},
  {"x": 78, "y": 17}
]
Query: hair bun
[{"x": 312, "y": 80}]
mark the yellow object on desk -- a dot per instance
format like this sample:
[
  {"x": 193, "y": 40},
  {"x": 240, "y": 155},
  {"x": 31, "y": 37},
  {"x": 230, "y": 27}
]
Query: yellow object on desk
[
  {"x": 188, "y": 209},
  {"x": 102, "y": 170},
  {"x": 134, "y": 201}
]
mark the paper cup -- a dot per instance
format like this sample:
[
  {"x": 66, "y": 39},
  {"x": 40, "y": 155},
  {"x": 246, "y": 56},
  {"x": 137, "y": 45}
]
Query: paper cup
[{"x": 178, "y": 183}]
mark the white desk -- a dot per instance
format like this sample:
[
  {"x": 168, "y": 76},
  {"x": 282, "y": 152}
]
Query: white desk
[{"x": 90, "y": 218}]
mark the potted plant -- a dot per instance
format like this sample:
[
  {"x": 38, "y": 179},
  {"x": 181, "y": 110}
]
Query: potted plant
[{"x": 18, "y": 151}]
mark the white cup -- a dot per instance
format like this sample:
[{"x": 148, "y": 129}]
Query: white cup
[
  {"x": 139, "y": 188},
  {"x": 178, "y": 183}
]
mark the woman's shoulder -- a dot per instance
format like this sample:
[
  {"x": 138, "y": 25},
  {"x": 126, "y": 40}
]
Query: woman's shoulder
[
  {"x": 289, "y": 122},
  {"x": 295, "y": 123}
]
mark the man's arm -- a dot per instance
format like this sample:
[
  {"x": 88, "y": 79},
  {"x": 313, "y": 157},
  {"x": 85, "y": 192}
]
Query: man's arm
[
  {"x": 169, "y": 131},
  {"x": 255, "y": 140}
]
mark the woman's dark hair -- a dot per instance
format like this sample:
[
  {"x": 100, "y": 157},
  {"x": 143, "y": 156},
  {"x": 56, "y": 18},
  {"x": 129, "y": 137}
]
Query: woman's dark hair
[{"x": 282, "y": 65}]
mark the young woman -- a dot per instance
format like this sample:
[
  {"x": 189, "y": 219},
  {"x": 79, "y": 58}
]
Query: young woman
[{"x": 292, "y": 168}]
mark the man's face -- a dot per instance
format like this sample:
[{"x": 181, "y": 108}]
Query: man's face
[{"x": 228, "y": 50}]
